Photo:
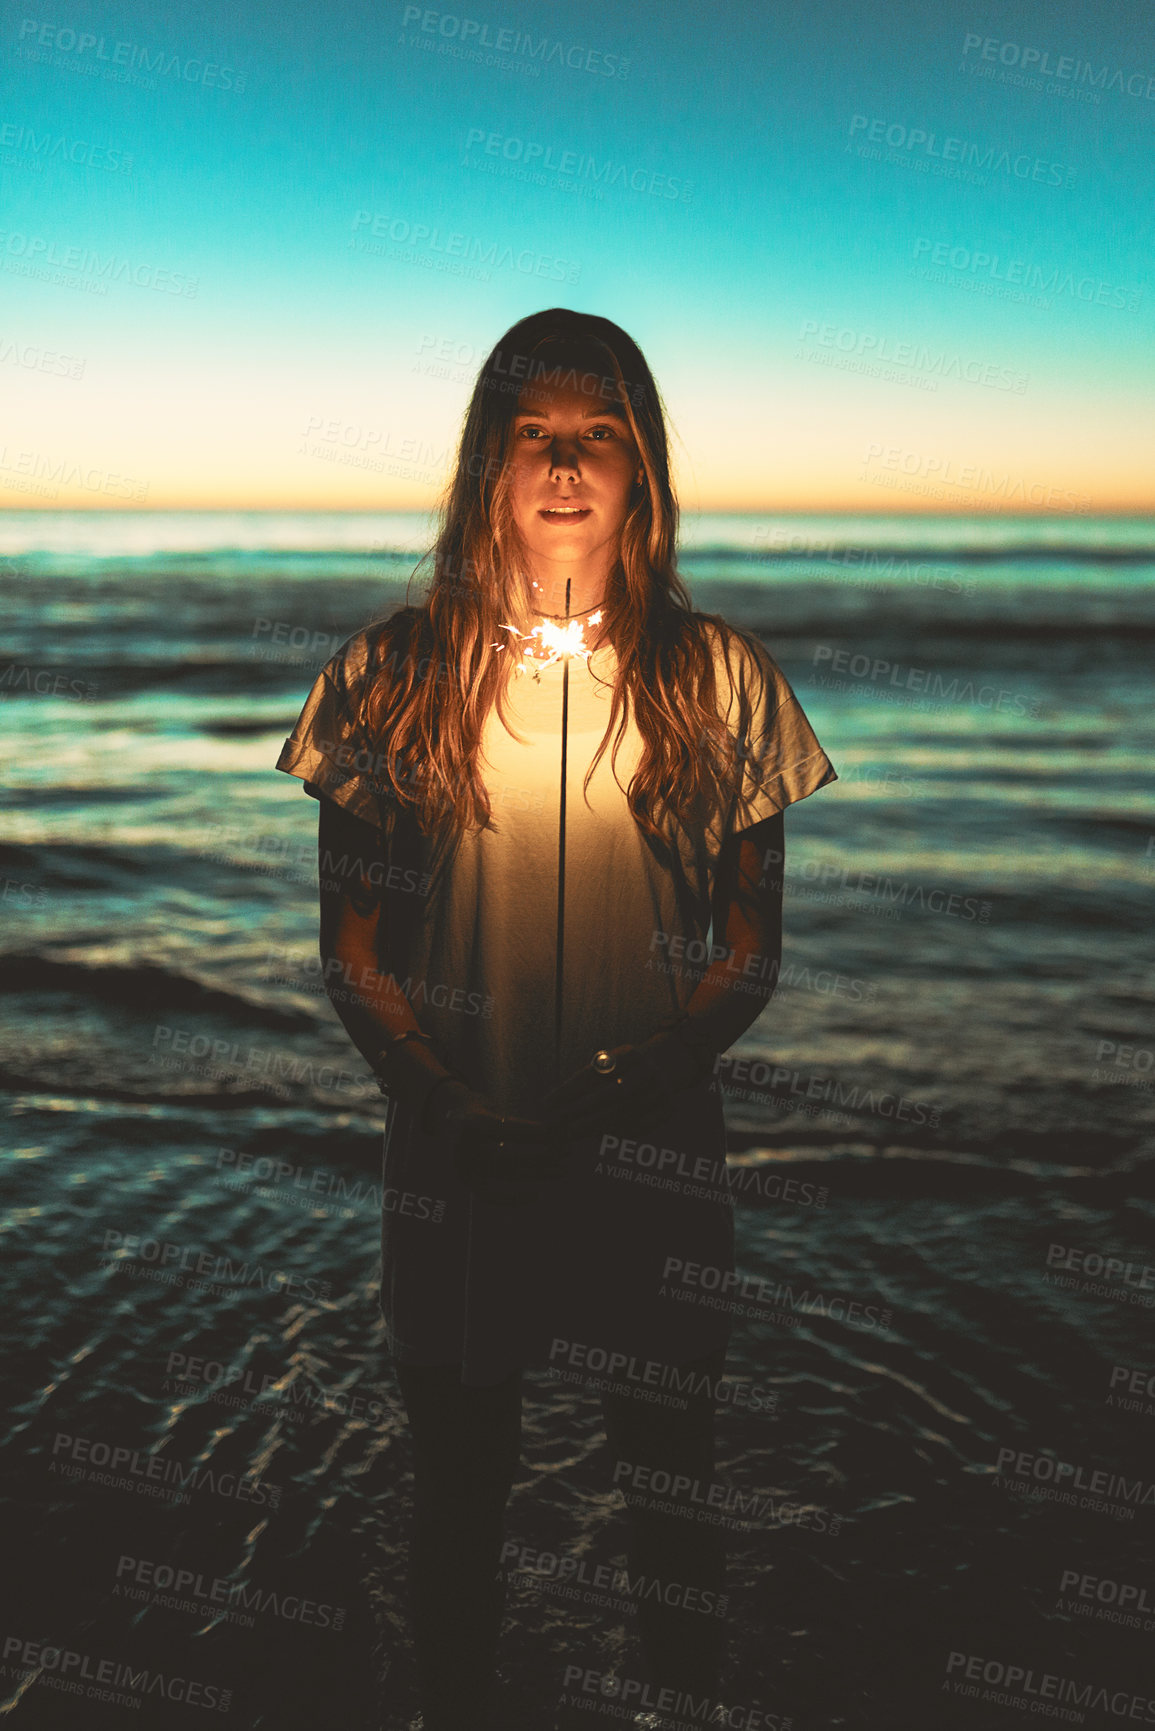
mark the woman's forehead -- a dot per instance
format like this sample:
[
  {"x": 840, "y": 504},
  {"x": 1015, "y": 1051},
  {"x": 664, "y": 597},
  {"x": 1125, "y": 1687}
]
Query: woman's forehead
[{"x": 586, "y": 395}]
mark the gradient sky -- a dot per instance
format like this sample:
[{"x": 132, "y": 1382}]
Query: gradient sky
[{"x": 297, "y": 374}]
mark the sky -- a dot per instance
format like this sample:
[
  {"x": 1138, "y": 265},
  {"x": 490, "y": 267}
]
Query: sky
[{"x": 879, "y": 258}]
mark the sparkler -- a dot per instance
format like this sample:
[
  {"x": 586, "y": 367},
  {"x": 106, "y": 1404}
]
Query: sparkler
[
  {"x": 557, "y": 640},
  {"x": 560, "y": 643},
  {"x": 559, "y": 965}
]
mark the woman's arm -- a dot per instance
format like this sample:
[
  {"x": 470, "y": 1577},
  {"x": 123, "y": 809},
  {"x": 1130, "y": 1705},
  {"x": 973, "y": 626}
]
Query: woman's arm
[
  {"x": 731, "y": 994},
  {"x": 352, "y": 866},
  {"x": 747, "y": 927},
  {"x": 353, "y": 859}
]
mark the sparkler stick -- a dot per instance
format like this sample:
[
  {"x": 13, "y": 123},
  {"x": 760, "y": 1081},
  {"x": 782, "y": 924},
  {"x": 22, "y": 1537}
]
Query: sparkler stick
[
  {"x": 559, "y": 970},
  {"x": 559, "y": 642}
]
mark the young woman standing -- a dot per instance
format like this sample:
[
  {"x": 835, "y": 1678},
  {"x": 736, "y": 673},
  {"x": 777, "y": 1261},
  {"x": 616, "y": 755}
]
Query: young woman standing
[{"x": 553, "y": 787}]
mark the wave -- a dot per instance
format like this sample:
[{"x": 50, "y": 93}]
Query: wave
[
  {"x": 217, "y": 542},
  {"x": 926, "y": 627},
  {"x": 862, "y": 1170},
  {"x": 137, "y": 986},
  {"x": 200, "y": 655},
  {"x": 912, "y": 553}
]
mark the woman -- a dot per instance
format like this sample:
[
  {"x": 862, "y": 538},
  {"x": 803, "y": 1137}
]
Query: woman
[{"x": 520, "y": 848}]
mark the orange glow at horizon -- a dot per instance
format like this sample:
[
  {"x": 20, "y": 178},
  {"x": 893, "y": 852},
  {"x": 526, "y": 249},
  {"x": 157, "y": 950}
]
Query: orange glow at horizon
[{"x": 774, "y": 442}]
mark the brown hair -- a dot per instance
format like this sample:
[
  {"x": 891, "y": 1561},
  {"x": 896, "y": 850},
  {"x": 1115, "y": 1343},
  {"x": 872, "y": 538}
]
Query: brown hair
[{"x": 432, "y": 727}]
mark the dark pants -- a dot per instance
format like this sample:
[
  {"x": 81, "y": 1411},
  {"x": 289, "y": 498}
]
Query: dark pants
[{"x": 466, "y": 1451}]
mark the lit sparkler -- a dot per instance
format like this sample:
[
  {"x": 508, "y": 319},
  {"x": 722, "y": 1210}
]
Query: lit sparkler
[{"x": 557, "y": 640}]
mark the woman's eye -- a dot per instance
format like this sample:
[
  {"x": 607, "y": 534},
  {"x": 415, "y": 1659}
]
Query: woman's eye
[{"x": 608, "y": 431}]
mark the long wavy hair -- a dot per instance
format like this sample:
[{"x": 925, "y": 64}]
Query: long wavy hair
[{"x": 444, "y": 672}]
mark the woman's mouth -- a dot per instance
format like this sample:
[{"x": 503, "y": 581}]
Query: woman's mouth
[{"x": 564, "y": 513}]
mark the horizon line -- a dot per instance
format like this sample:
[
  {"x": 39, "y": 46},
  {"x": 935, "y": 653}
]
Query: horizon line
[{"x": 135, "y": 510}]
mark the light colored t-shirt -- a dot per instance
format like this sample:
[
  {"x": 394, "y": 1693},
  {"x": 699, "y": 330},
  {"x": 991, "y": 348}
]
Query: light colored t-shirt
[{"x": 475, "y": 944}]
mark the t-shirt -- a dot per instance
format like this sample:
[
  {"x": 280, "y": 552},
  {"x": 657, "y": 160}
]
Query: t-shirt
[{"x": 473, "y": 938}]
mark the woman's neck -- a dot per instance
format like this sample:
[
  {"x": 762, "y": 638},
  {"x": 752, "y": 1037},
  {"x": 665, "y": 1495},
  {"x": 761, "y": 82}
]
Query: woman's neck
[
  {"x": 587, "y": 592},
  {"x": 574, "y": 612}
]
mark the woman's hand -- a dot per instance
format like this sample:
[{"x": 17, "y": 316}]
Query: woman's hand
[
  {"x": 504, "y": 1158},
  {"x": 644, "y": 1078}
]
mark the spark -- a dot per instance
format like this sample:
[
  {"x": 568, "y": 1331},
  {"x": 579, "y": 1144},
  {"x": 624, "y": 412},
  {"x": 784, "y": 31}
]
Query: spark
[{"x": 557, "y": 640}]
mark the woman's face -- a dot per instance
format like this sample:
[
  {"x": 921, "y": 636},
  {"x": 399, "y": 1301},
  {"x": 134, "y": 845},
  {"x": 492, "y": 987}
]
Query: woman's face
[{"x": 575, "y": 465}]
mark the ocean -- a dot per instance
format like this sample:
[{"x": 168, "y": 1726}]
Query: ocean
[{"x": 945, "y": 1115}]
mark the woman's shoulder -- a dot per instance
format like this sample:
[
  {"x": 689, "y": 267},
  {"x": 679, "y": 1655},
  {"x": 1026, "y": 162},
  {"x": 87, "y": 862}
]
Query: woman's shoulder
[
  {"x": 743, "y": 665},
  {"x": 377, "y": 648}
]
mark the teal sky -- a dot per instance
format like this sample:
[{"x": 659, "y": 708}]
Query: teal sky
[{"x": 704, "y": 186}]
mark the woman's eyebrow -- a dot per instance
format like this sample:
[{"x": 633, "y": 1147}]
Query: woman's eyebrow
[{"x": 593, "y": 415}]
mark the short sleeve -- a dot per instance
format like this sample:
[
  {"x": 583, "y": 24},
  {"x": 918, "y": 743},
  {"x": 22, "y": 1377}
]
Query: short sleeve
[
  {"x": 329, "y": 748},
  {"x": 782, "y": 759}
]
